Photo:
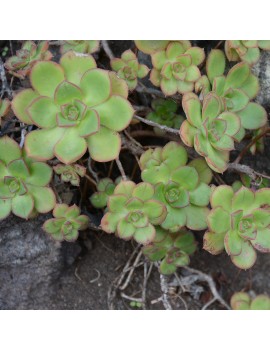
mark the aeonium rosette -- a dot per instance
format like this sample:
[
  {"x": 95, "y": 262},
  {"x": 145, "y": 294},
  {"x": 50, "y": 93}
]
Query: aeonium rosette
[
  {"x": 172, "y": 248},
  {"x": 133, "y": 213},
  {"x": 182, "y": 188},
  {"x": 77, "y": 106},
  {"x": 209, "y": 129},
  {"x": 240, "y": 223},
  {"x": 175, "y": 67},
  {"x": 24, "y": 182},
  {"x": 245, "y": 50},
  {"x": 66, "y": 223}
]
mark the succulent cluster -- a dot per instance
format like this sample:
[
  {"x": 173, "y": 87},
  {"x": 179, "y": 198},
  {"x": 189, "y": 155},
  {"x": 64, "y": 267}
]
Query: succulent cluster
[
  {"x": 132, "y": 212},
  {"x": 128, "y": 68},
  {"x": 80, "y": 46},
  {"x": 70, "y": 173},
  {"x": 239, "y": 223},
  {"x": 245, "y": 50},
  {"x": 182, "y": 188},
  {"x": 24, "y": 182},
  {"x": 66, "y": 224},
  {"x": 20, "y": 65},
  {"x": 4, "y": 108},
  {"x": 175, "y": 67},
  {"x": 173, "y": 249},
  {"x": 76, "y": 112},
  {"x": 77, "y": 106},
  {"x": 242, "y": 301},
  {"x": 164, "y": 113}
]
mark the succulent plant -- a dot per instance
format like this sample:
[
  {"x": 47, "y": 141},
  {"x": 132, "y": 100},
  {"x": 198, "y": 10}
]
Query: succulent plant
[
  {"x": 4, "y": 108},
  {"x": 172, "y": 249},
  {"x": 240, "y": 223},
  {"x": 133, "y": 213},
  {"x": 209, "y": 130},
  {"x": 128, "y": 68},
  {"x": 66, "y": 224},
  {"x": 182, "y": 188},
  {"x": 80, "y": 46},
  {"x": 245, "y": 50},
  {"x": 23, "y": 182},
  {"x": 236, "y": 89},
  {"x": 20, "y": 65},
  {"x": 164, "y": 113},
  {"x": 77, "y": 106},
  {"x": 70, "y": 173},
  {"x": 175, "y": 67},
  {"x": 242, "y": 301},
  {"x": 105, "y": 188}
]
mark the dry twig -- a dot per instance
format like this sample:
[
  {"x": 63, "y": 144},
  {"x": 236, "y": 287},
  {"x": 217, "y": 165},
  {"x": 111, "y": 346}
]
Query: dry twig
[
  {"x": 154, "y": 124},
  {"x": 209, "y": 280},
  {"x": 121, "y": 169},
  {"x": 107, "y": 49},
  {"x": 246, "y": 170},
  {"x": 248, "y": 146},
  {"x": 5, "y": 85}
]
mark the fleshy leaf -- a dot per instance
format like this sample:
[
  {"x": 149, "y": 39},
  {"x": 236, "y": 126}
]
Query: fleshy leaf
[
  {"x": 39, "y": 144},
  {"x": 262, "y": 240},
  {"x": 21, "y": 101},
  {"x": 215, "y": 64},
  {"x": 116, "y": 113},
  {"x": 44, "y": 198},
  {"x": 233, "y": 243},
  {"x": 9, "y": 150},
  {"x": 192, "y": 107},
  {"x": 253, "y": 116},
  {"x": 219, "y": 220},
  {"x": 71, "y": 147},
  {"x": 222, "y": 196},
  {"x": 145, "y": 235},
  {"x": 105, "y": 145},
  {"x": 187, "y": 177},
  {"x": 237, "y": 76},
  {"x": 196, "y": 217},
  {"x": 5, "y": 208},
  {"x": 76, "y": 65},
  {"x": 42, "y": 112},
  {"x": 96, "y": 86},
  {"x": 23, "y": 205},
  {"x": 213, "y": 242},
  {"x": 247, "y": 258},
  {"x": 46, "y": 76}
]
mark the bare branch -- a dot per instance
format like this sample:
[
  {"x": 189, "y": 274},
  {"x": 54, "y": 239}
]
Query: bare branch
[
  {"x": 121, "y": 169},
  {"x": 154, "y": 124},
  {"x": 246, "y": 170},
  {"x": 209, "y": 280},
  {"x": 248, "y": 146},
  {"x": 165, "y": 289},
  {"x": 93, "y": 173},
  {"x": 107, "y": 49},
  {"x": 5, "y": 86},
  {"x": 142, "y": 89}
]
